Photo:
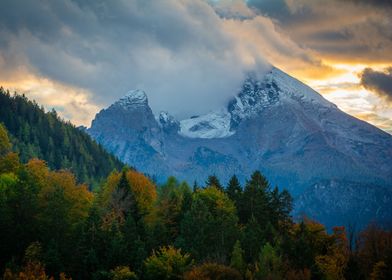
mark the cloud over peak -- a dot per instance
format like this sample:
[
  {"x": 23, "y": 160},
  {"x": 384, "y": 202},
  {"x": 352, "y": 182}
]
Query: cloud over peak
[
  {"x": 379, "y": 82},
  {"x": 189, "y": 56},
  {"x": 179, "y": 52}
]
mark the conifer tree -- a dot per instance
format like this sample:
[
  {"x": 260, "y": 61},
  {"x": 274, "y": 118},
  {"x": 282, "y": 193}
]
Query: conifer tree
[
  {"x": 214, "y": 181},
  {"x": 5, "y": 144},
  {"x": 237, "y": 257},
  {"x": 195, "y": 186},
  {"x": 255, "y": 200},
  {"x": 252, "y": 240},
  {"x": 234, "y": 190},
  {"x": 269, "y": 264}
]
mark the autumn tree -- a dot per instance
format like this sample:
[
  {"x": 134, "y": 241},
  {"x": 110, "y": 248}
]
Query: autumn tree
[
  {"x": 167, "y": 263},
  {"x": 173, "y": 200},
  {"x": 5, "y": 144},
  {"x": 207, "y": 271}
]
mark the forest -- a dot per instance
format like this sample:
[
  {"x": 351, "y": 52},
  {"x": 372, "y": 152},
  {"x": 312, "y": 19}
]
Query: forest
[
  {"x": 35, "y": 133},
  {"x": 53, "y": 227}
]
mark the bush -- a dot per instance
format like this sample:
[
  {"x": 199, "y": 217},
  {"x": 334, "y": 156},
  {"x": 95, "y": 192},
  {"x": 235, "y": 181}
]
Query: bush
[
  {"x": 123, "y": 273},
  {"x": 167, "y": 263},
  {"x": 212, "y": 271}
]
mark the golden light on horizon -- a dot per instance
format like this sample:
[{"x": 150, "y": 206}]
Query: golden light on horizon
[
  {"x": 70, "y": 102},
  {"x": 345, "y": 90}
]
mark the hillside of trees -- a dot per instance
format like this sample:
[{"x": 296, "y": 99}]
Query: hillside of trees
[
  {"x": 39, "y": 134},
  {"x": 129, "y": 228}
]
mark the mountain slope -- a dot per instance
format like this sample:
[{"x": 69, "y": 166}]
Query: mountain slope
[
  {"x": 276, "y": 124},
  {"x": 44, "y": 135}
]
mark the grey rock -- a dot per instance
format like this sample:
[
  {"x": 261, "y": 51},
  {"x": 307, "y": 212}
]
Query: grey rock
[{"x": 278, "y": 125}]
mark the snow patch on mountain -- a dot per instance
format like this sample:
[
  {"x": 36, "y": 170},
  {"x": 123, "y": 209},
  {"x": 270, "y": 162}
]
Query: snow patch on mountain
[
  {"x": 293, "y": 89},
  {"x": 134, "y": 98},
  {"x": 276, "y": 88},
  {"x": 215, "y": 124},
  {"x": 168, "y": 122}
]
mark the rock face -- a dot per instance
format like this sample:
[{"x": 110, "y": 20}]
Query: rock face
[{"x": 278, "y": 125}]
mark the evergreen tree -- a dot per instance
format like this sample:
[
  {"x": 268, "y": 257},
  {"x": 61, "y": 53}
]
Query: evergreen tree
[
  {"x": 5, "y": 144},
  {"x": 252, "y": 240},
  {"x": 212, "y": 180},
  {"x": 269, "y": 265},
  {"x": 208, "y": 229},
  {"x": 255, "y": 200},
  {"x": 234, "y": 190},
  {"x": 195, "y": 186},
  {"x": 237, "y": 257}
]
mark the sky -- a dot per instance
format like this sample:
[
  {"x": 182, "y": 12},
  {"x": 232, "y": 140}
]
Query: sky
[{"x": 191, "y": 56}]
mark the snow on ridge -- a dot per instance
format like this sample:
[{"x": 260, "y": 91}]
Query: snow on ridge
[
  {"x": 215, "y": 124},
  {"x": 295, "y": 89},
  {"x": 135, "y": 97},
  {"x": 274, "y": 88}
]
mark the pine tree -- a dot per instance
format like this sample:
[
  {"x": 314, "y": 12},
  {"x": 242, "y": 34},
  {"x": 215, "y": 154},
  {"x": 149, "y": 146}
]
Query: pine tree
[
  {"x": 255, "y": 200},
  {"x": 5, "y": 144},
  {"x": 214, "y": 181},
  {"x": 195, "y": 186},
  {"x": 124, "y": 200},
  {"x": 252, "y": 240},
  {"x": 269, "y": 264},
  {"x": 234, "y": 190},
  {"x": 237, "y": 257}
]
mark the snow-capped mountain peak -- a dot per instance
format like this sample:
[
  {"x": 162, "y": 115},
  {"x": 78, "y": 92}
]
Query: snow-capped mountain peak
[
  {"x": 294, "y": 89},
  {"x": 168, "y": 122},
  {"x": 275, "y": 88},
  {"x": 133, "y": 98}
]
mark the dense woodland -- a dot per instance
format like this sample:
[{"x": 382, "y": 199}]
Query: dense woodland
[
  {"x": 129, "y": 228},
  {"x": 36, "y": 134}
]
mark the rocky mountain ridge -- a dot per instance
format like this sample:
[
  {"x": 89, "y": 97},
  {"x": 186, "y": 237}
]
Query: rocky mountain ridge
[{"x": 275, "y": 124}]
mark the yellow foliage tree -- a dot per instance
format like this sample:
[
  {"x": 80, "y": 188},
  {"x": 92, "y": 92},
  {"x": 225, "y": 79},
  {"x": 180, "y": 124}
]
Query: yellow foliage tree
[
  {"x": 334, "y": 263},
  {"x": 123, "y": 273},
  {"x": 143, "y": 189}
]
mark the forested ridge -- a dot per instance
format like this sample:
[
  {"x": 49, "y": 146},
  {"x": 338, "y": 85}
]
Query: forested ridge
[
  {"x": 129, "y": 228},
  {"x": 39, "y": 134}
]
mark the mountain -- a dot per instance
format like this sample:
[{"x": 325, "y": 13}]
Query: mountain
[
  {"x": 40, "y": 134},
  {"x": 275, "y": 124}
]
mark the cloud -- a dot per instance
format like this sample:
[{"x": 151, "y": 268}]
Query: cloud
[
  {"x": 71, "y": 103},
  {"x": 378, "y": 82},
  {"x": 232, "y": 9},
  {"x": 338, "y": 30},
  {"x": 190, "y": 56},
  {"x": 379, "y": 3},
  {"x": 177, "y": 51}
]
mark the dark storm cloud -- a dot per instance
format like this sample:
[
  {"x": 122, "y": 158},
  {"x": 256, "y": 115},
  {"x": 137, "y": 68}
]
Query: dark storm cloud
[
  {"x": 378, "y": 82},
  {"x": 341, "y": 35},
  {"x": 379, "y": 3},
  {"x": 177, "y": 51},
  {"x": 272, "y": 8},
  {"x": 338, "y": 29}
]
